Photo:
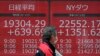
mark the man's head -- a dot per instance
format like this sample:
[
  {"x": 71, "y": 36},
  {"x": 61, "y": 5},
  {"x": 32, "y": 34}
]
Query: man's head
[{"x": 50, "y": 34}]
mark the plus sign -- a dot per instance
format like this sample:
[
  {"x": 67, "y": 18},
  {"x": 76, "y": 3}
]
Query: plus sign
[
  {"x": 60, "y": 32},
  {"x": 10, "y": 32}
]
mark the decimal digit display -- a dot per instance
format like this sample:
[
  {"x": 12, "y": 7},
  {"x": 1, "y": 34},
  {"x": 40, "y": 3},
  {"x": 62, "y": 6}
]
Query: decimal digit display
[
  {"x": 24, "y": 23},
  {"x": 21, "y": 26},
  {"x": 78, "y": 25},
  {"x": 25, "y": 28}
]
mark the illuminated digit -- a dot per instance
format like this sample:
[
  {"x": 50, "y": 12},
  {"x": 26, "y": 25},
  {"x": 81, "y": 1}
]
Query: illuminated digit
[
  {"x": 73, "y": 32},
  {"x": 84, "y": 33},
  {"x": 78, "y": 32},
  {"x": 93, "y": 23},
  {"x": 98, "y": 33},
  {"x": 17, "y": 23},
  {"x": 28, "y": 32},
  {"x": 93, "y": 32},
  {"x": 5, "y": 41},
  {"x": 67, "y": 23},
  {"x": 68, "y": 41},
  {"x": 98, "y": 25},
  {"x": 78, "y": 22},
  {"x": 84, "y": 23},
  {"x": 37, "y": 32},
  {"x": 22, "y": 32},
  {"x": 67, "y": 32},
  {"x": 28, "y": 23},
  {"x": 6, "y": 23},
  {"x": 61, "y": 40},
  {"x": 73, "y": 23},
  {"x": 43, "y": 23},
  {"x": 12, "y": 41},
  {"x": 22, "y": 23},
  {"x": 17, "y": 32},
  {"x": 61, "y": 24},
  {"x": 37, "y": 23},
  {"x": 11, "y": 23}
]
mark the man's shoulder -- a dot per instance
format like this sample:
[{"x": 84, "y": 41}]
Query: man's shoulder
[
  {"x": 39, "y": 53},
  {"x": 45, "y": 48}
]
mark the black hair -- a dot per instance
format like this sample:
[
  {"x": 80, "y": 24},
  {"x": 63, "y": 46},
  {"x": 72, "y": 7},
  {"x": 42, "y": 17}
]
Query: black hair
[{"x": 48, "y": 32}]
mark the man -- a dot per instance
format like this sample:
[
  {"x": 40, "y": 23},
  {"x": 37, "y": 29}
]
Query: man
[{"x": 49, "y": 38}]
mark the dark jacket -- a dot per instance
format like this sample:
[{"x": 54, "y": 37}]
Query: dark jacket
[{"x": 45, "y": 49}]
